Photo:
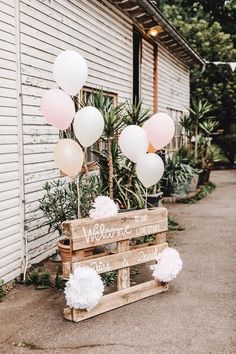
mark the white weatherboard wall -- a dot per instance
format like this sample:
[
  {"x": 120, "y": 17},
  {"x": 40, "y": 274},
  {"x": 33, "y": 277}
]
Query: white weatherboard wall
[
  {"x": 147, "y": 75},
  {"x": 28, "y": 47},
  {"x": 10, "y": 228},
  {"x": 173, "y": 82},
  {"x": 103, "y": 36}
]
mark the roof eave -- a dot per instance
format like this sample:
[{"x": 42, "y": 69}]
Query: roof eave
[{"x": 146, "y": 15}]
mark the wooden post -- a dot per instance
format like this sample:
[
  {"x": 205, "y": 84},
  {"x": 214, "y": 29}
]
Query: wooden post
[
  {"x": 123, "y": 278},
  {"x": 110, "y": 168},
  {"x": 155, "y": 80}
]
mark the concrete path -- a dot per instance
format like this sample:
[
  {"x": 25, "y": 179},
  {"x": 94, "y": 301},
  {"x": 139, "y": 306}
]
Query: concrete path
[{"x": 194, "y": 316}]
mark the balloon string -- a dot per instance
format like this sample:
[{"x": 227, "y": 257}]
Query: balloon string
[{"x": 146, "y": 198}]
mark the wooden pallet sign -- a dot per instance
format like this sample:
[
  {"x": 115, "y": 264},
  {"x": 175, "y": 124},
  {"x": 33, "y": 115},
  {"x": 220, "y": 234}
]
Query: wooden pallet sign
[{"x": 86, "y": 234}]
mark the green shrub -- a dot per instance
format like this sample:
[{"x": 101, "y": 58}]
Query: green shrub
[
  {"x": 228, "y": 145},
  {"x": 109, "y": 278},
  {"x": 38, "y": 278},
  {"x": 60, "y": 202},
  {"x": 177, "y": 175}
]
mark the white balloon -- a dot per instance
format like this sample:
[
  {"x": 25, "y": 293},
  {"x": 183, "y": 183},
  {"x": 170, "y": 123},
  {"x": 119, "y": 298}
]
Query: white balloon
[
  {"x": 133, "y": 142},
  {"x": 70, "y": 71},
  {"x": 150, "y": 169},
  {"x": 88, "y": 125}
]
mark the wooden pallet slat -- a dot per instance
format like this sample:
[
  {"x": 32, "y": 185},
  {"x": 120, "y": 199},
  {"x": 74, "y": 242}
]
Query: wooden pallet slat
[
  {"x": 120, "y": 298},
  {"x": 123, "y": 277},
  {"x": 120, "y": 260},
  {"x": 133, "y": 224}
]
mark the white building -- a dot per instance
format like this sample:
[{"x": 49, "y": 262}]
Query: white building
[{"x": 123, "y": 57}]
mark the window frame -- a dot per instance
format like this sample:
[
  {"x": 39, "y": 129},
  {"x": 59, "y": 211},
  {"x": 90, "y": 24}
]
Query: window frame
[{"x": 176, "y": 115}]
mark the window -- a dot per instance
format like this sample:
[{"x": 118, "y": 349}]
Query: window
[
  {"x": 86, "y": 97},
  {"x": 87, "y": 93},
  {"x": 177, "y": 141}
]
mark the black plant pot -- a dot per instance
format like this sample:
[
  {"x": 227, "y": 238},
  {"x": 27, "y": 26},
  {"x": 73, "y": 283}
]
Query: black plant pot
[
  {"x": 154, "y": 200},
  {"x": 204, "y": 176}
]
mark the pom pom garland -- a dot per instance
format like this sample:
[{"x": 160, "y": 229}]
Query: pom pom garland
[
  {"x": 169, "y": 264},
  {"x": 84, "y": 289},
  {"x": 103, "y": 207}
]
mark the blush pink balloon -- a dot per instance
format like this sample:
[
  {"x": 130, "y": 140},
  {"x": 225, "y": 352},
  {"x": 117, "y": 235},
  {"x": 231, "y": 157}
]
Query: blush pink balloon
[
  {"x": 160, "y": 130},
  {"x": 58, "y": 108}
]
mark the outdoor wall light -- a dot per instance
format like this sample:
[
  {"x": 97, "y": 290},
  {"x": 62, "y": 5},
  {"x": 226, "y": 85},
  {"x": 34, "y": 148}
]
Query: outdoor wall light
[{"x": 153, "y": 31}]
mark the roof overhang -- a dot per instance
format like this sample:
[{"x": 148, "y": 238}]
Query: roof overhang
[{"x": 146, "y": 15}]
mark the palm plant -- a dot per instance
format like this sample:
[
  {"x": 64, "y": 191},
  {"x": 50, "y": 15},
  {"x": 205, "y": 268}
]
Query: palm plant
[
  {"x": 177, "y": 174},
  {"x": 118, "y": 177},
  {"x": 188, "y": 126},
  {"x": 198, "y": 112},
  {"x": 113, "y": 122},
  {"x": 135, "y": 114},
  {"x": 207, "y": 129},
  {"x": 209, "y": 126}
]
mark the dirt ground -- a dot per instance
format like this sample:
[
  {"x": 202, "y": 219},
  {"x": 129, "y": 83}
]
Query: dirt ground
[{"x": 196, "y": 315}]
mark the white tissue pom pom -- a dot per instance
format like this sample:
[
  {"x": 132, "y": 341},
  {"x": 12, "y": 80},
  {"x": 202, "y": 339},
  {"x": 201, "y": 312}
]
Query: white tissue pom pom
[
  {"x": 169, "y": 264},
  {"x": 103, "y": 207},
  {"x": 84, "y": 288}
]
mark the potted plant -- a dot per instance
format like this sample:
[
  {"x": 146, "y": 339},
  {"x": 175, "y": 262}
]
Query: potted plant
[
  {"x": 199, "y": 127},
  {"x": 118, "y": 176},
  {"x": 206, "y": 155},
  {"x": 60, "y": 203},
  {"x": 177, "y": 176},
  {"x": 186, "y": 155}
]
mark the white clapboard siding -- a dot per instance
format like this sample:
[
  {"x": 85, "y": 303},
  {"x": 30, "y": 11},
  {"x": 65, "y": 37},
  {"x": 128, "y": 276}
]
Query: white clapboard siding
[
  {"x": 147, "y": 75},
  {"x": 103, "y": 35},
  {"x": 173, "y": 82},
  {"x": 10, "y": 249}
]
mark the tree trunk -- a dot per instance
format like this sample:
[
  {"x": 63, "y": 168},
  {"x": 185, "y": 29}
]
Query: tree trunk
[
  {"x": 131, "y": 174},
  {"x": 110, "y": 168},
  {"x": 100, "y": 145},
  {"x": 196, "y": 144}
]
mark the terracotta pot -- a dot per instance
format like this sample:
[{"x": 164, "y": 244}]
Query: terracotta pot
[{"x": 64, "y": 249}]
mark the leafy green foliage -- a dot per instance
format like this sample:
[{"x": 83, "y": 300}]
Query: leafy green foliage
[
  {"x": 174, "y": 225},
  {"x": 177, "y": 175},
  {"x": 144, "y": 239},
  {"x": 39, "y": 278},
  {"x": 109, "y": 278},
  {"x": 135, "y": 114},
  {"x": 228, "y": 145},
  {"x": 60, "y": 202},
  {"x": 127, "y": 190},
  {"x": 210, "y": 28},
  {"x": 221, "y": 11},
  {"x": 60, "y": 283},
  {"x": 199, "y": 127}
]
